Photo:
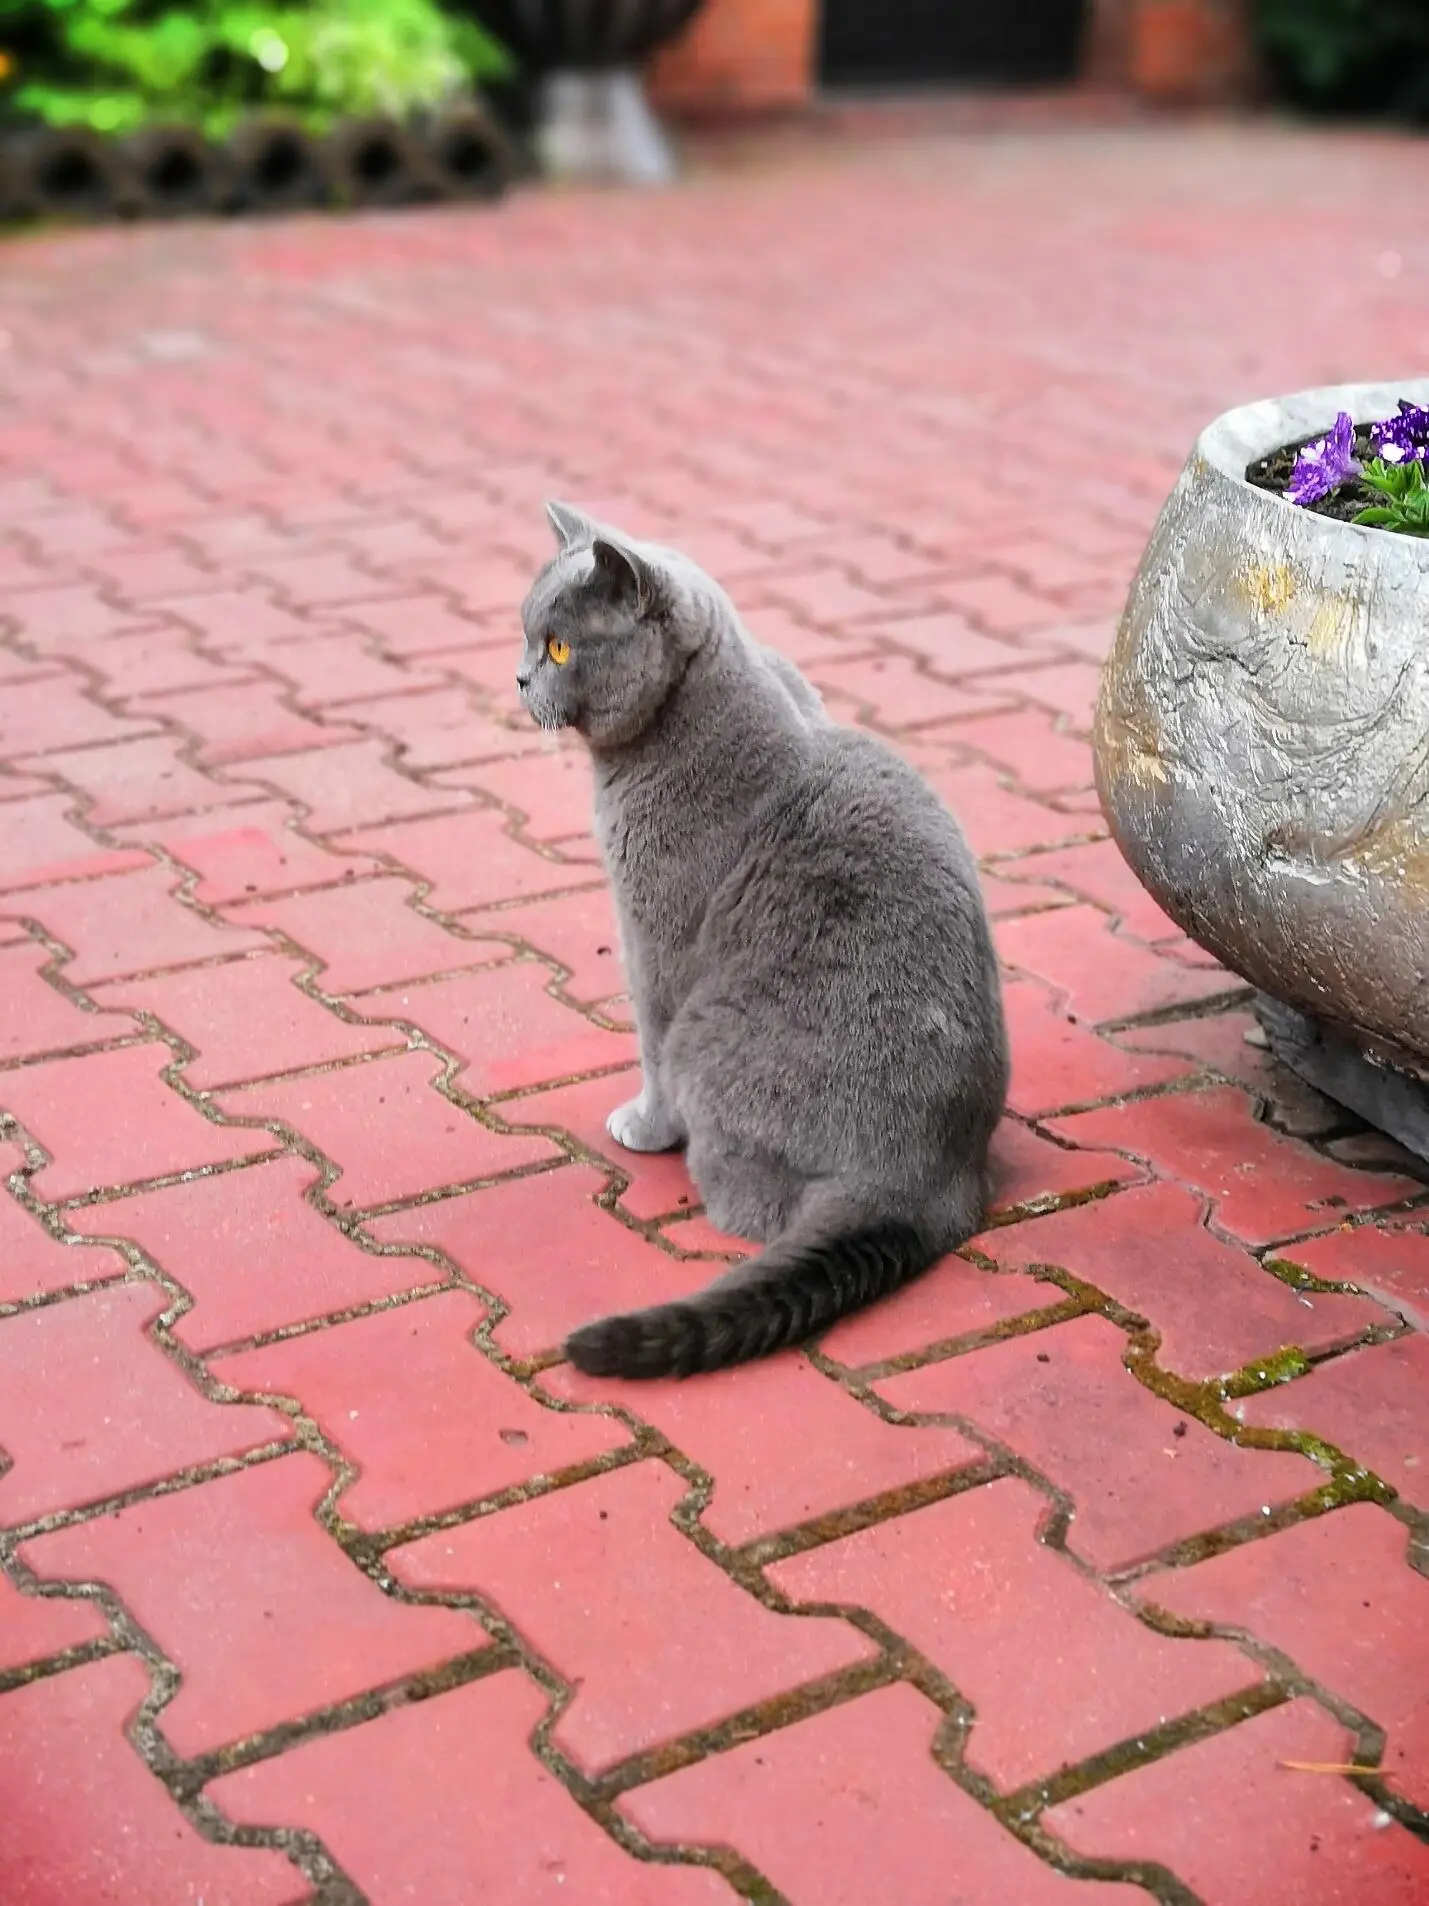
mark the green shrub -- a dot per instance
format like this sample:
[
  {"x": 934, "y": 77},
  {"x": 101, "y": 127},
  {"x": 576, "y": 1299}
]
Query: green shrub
[
  {"x": 116, "y": 65},
  {"x": 1364, "y": 57}
]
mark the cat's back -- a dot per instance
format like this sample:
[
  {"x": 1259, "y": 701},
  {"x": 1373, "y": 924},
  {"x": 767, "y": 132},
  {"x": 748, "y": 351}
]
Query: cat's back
[
  {"x": 861, "y": 798},
  {"x": 858, "y": 859}
]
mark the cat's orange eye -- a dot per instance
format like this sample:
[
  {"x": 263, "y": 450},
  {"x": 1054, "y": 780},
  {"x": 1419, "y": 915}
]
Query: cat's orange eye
[{"x": 558, "y": 649}]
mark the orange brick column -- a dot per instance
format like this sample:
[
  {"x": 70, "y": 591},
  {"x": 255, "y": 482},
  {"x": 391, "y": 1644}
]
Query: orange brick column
[
  {"x": 740, "y": 56},
  {"x": 1173, "y": 52}
]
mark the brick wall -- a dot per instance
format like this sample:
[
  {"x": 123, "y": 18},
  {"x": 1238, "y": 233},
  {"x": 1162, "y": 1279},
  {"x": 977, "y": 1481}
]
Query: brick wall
[
  {"x": 761, "y": 55},
  {"x": 741, "y": 56}
]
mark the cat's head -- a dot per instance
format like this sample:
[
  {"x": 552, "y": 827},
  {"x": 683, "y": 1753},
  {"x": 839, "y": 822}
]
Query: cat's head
[{"x": 609, "y": 626}]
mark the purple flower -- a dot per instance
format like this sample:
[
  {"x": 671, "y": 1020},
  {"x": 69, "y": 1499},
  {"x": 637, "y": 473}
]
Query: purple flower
[
  {"x": 1405, "y": 438},
  {"x": 1323, "y": 466}
]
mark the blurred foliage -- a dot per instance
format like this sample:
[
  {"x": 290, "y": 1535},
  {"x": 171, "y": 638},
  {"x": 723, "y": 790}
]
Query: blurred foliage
[
  {"x": 1362, "y": 57},
  {"x": 116, "y": 65}
]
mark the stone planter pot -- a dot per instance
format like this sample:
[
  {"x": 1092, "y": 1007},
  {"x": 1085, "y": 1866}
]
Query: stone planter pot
[
  {"x": 1261, "y": 747},
  {"x": 592, "y": 116}
]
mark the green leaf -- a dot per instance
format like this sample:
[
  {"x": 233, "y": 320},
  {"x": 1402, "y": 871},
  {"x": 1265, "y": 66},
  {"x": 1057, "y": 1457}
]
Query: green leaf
[{"x": 1376, "y": 518}]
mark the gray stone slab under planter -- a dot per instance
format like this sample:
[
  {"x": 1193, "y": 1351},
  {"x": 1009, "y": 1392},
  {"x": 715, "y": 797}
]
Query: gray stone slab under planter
[{"x": 1262, "y": 748}]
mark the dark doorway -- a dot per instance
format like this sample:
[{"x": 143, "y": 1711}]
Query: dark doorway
[{"x": 923, "y": 42}]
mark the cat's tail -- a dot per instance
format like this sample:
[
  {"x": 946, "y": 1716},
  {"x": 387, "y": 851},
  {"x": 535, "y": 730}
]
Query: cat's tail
[{"x": 794, "y": 1290}]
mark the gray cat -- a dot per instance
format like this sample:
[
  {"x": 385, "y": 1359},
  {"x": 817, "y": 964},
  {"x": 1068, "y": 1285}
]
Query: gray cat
[{"x": 815, "y": 989}]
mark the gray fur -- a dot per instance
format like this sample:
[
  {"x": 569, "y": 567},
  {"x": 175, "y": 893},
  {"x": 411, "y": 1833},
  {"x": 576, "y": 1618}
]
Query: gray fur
[{"x": 814, "y": 984}]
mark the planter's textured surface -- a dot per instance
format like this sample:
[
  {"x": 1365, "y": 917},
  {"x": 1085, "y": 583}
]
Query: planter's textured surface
[{"x": 1263, "y": 731}]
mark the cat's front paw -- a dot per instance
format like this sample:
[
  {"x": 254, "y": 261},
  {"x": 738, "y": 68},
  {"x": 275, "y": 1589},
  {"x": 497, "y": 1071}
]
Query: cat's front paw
[{"x": 639, "y": 1130}]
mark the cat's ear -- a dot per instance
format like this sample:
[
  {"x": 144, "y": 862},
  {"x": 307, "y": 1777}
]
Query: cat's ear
[
  {"x": 573, "y": 531},
  {"x": 627, "y": 578}
]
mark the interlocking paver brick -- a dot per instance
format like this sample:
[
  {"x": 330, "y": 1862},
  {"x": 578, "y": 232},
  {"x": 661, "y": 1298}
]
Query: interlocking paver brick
[
  {"x": 1210, "y": 1302},
  {"x": 438, "y": 729},
  {"x": 133, "y": 922},
  {"x": 1370, "y": 1404},
  {"x": 148, "y": 575},
  {"x": 658, "y": 1181},
  {"x": 1054, "y": 1669},
  {"x": 32, "y": 1260},
  {"x": 53, "y": 713},
  {"x": 896, "y": 692},
  {"x": 577, "y": 931},
  {"x": 1096, "y": 871},
  {"x": 1068, "y": 688},
  {"x": 955, "y": 1299},
  {"x": 36, "y": 1017},
  {"x": 827, "y": 595},
  {"x": 50, "y": 619},
  {"x": 1028, "y": 744},
  {"x": 550, "y": 792},
  {"x": 243, "y": 721},
  {"x": 39, "y": 843},
  {"x": 1006, "y": 893},
  {"x": 34, "y": 1627},
  {"x": 952, "y": 648},
  {"x": 1263, "y": 1186},
  {"x": 728, "y": 1425},
  {"x": 504, "y": 1025},
  {"x": 502, "y": 1239},
  {"x": 87, "y": 1820},
  {"x": 414, "y": 625},
  {"x": 1200, "y": 1810},
  {"x": 487, "y": 667},
  {"x": 1336, "y": 1595},
  {"x": 346, "y": 786},
  {"x": 284, "y": 419},
  {"x": 246, "y": 1019},
  {"x": 1028, "y": 1170},
  {"x": 367, "y": 934},
  {"x": 143, "y": 779},
  {"x": 1000, "y": 604},
  {"x": 704, "y": 1649},
  {"x": 250, "y": 1250},
  {"x": 995, "y": 818},
  {"x": 898, "y": 1828},
  {"x": 321, "y": 578},
  {"x": 141, "y": 670},
  {"x": 1057, "y": 1063},
  {"x": 1064, "y": 1401},
  {"x": 480, "y": 581},
  {"x": 241, "y": 623},
  {"x": 357, "y": 1115},
  {"x": 428, "y": 1420},
  {"x": 257, "y": 1606},
  {"x": 1230, "y": 1042},
  {"x": 67, "y": 1106},
  {"x": 329, "y": 670},
  {"x": 1391, "y": 1261},
  {"x": 236, "y": 535},
  {"x": 1105, "y": 978},
  {"x": 468, "y": 858},
  {"x": 467, "y": 1773},
  {"x": 251, "y": 849},
  {"x": 91, "y": 1407}
]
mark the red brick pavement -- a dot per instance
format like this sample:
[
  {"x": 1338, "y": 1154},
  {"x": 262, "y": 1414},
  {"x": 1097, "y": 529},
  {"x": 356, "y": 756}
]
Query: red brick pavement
[{"x": 1074, "y": 1572}]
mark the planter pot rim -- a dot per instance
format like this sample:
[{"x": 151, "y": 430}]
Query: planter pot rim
[{"x": 1243, "y": 436}]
